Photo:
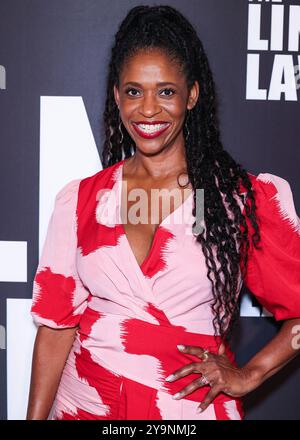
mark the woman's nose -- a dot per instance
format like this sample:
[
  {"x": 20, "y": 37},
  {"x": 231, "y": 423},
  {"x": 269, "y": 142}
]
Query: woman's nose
[{"x": 150, "y": 105}]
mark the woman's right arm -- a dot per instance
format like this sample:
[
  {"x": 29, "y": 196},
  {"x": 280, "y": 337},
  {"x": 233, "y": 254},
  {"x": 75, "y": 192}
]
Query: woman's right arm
[
  {"x": 59, "y": 299},
  {"x": 50, "y": 352}
]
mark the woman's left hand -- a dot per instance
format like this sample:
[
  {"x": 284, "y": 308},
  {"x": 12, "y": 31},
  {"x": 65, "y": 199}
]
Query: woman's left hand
[{"x": 222, "y": 375}]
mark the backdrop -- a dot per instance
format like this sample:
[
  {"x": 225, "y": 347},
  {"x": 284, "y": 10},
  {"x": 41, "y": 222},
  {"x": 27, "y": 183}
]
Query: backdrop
[{"x": 53, "y": 60}]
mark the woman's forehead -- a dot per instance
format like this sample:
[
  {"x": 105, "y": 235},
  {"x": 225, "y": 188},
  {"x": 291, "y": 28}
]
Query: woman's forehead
[{"x": 151, "y": 67}]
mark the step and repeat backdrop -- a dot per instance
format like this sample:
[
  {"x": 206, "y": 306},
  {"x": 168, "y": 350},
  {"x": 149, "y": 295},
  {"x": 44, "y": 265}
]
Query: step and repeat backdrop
[{"x": 53, "y": 60}]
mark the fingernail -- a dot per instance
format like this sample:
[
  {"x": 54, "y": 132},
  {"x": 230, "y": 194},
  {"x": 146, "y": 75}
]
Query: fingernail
[
  {"x": 176, "y": 396},
  {"x": 180, "y": 347},
  {"x": 199, "y": 410},
  {"x": 170, "y": 378}
]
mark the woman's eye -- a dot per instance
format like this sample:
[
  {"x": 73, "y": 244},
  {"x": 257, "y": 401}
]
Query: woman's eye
[
  {"x": 169, "y": 90},
  {"x": 135, "y": 90},
  {"x": 129, "y": 90}
]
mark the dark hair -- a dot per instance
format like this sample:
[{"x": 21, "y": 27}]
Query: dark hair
[{"x": 224, "y": 241}]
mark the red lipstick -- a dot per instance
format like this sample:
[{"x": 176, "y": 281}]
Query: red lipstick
[{"x": 157, "y": 133}]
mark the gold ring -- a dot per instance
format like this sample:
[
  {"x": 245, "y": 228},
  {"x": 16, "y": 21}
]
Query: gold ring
[{"x": 205, "y": 355}]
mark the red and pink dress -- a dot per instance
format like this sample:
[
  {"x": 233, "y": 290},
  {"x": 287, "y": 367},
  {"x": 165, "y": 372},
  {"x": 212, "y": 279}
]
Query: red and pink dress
[{"x": 131, "y": 317}]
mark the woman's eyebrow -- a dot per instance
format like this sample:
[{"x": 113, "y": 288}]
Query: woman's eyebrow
[{"x": 158, "y": 84}]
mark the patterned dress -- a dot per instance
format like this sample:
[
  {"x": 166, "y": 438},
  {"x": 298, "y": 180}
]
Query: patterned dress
[{"x": 131, "y": 316}]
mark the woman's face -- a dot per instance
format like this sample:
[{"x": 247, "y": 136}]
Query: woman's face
[{"x": 152, "y": 89}]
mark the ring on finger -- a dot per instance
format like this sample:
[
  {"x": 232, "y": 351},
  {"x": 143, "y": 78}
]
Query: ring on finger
[
  {"x": 204, "y": 355},
  {"x": 204, "y": 380}
]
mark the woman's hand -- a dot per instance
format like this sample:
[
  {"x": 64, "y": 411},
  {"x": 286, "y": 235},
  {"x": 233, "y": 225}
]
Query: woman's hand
[{"x": 219, "y": 371}]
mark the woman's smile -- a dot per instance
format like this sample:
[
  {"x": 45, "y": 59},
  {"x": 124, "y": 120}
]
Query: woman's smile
[{"x": 150, "y": 130}]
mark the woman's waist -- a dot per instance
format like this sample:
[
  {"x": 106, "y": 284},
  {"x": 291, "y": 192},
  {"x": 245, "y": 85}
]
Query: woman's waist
[
  {"x": 146, "y": 352},
  {"x": 133, "y": 335}
]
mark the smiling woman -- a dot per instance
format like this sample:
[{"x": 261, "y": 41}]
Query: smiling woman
[
  {"x": 150, "y": 112},
  {"x": 151, "y": 305}
]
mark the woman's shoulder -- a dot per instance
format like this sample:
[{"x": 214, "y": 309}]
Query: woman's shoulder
[
  {"x": 274, "y": 198},
  {"x": 269, "y": 183},
  {"x": 103, "y": 178}
]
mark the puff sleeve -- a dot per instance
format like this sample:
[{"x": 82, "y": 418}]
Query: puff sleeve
[
  {"x": 59, "y": 297},
  {"x": 273, "y": 273}
]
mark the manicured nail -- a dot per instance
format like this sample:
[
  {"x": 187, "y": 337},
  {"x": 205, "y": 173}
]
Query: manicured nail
[
  {"x": 176, "y": 396},
  {"x": 199, "y": 410},
  {"x": 180, "y": 347},
  {"x": 170, "y": 378}
]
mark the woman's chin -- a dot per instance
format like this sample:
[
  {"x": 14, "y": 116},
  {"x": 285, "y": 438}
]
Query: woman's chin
[{"x": 149, "y": 150}]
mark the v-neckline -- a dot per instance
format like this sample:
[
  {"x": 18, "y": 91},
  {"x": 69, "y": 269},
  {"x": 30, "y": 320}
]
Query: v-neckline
[{"x": 159, "y": 226}]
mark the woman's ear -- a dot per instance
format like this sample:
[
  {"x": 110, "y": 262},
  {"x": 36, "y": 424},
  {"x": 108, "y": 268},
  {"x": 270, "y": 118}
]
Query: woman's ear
[
  {"x": 116, "y": 95},
  {"x": 193, "y": 95}
]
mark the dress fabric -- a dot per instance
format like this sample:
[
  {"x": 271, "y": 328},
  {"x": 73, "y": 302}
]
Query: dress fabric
[{"x": 131, "y": 316}]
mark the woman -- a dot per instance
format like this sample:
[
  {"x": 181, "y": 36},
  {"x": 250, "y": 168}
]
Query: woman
[{"x": 135, "y": 321}]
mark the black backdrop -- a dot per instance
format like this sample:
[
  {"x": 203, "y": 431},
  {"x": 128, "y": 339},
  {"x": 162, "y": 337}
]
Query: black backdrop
[{"x": 61, "y": 48}]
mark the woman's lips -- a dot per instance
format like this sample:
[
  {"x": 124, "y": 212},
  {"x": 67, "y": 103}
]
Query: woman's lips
[{"x": 155, "y": 134}]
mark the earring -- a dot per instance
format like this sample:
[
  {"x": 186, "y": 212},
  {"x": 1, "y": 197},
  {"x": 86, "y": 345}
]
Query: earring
[
  {"x": 120, "y": 129},
  {"x": 186, "y": 124}
]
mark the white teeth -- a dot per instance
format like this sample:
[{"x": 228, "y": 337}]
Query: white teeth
[{"x": 147, "y": 128}]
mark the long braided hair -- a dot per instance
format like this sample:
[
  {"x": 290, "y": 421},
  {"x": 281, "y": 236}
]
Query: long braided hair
[{"x": 225, "y": 238}]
